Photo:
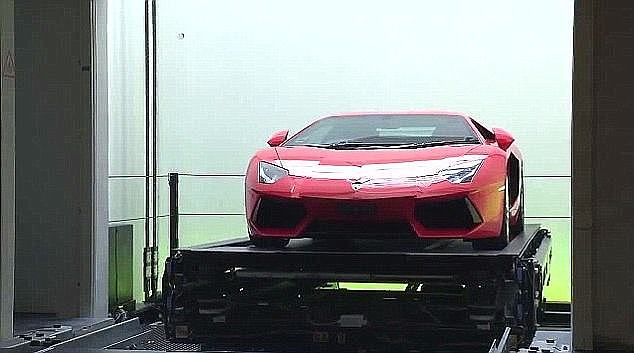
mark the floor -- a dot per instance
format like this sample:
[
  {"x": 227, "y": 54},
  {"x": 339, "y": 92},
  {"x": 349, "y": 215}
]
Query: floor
[
  {"x": 33, "y": 332},
  {"x": 25, "y": 323},
  {"x": 131, "y": 336}
]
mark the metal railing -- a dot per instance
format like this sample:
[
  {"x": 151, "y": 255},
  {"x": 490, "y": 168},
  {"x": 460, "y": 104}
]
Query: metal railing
[{"x": 174, "y": 213}]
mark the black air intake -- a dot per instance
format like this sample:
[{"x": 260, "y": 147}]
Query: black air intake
[
  {"x": 451, "y": 214},
  {"x": 278, "y": 213}
]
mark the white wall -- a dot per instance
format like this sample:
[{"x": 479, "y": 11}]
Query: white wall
[{"x": 7, "y": 228}]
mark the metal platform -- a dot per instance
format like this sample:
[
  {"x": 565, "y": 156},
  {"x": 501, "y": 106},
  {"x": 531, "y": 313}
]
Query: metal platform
[
  {"x": 232, "y": 292},
  {"x": 366, "y": 256},
  {"x": 398, "y": 247}
]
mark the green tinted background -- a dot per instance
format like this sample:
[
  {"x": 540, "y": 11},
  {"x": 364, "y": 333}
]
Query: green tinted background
[{"x": 232, "y": 72}]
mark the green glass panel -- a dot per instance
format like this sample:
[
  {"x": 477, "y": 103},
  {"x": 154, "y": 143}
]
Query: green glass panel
[
  {"x": 126, "y": 198},
  {"x": 547, "y": 197},
  {"x": 197, "y": 230},
  {"x": 558, "y": 289},
  {"x": 138, "y": 241},
  {"x": 205, "y": 195}
]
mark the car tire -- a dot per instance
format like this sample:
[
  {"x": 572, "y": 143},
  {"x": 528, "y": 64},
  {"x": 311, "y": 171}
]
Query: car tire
[
  {"x": 269, "y": 242},
  {"x": 504, "y": 238}
]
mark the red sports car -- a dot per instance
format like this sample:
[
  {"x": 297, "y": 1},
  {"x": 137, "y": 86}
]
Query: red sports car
[{"x": 388, "y": 175}]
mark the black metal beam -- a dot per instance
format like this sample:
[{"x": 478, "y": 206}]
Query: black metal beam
[
  {"x": 173, "y": 184},
  {"x": 154, "y": 267},
  {"x": 146, "y": 274}
]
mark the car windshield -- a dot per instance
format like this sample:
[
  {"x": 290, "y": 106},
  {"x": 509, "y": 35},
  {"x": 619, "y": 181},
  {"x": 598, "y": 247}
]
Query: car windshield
[{"x": 373, "y": 131}]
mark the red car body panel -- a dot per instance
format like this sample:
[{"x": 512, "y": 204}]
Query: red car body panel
[{"x": 393, "y": 199}]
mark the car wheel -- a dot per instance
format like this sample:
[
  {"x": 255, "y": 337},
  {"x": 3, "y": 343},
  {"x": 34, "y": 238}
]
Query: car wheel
[
  {"x": 262, "y": 242},
  {"x": 502, "y": 240}
]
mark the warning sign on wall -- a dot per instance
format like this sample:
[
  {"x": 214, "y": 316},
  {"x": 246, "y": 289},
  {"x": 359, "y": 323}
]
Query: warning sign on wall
[{"x": 8, "y": 65}]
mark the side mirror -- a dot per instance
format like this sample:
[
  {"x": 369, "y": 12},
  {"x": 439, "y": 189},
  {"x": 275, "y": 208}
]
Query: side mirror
[
  {"x": 503, "y": 138},
  {"x": 277, "y": 138}
]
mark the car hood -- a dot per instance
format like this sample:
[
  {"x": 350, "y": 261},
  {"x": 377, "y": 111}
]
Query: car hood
[{"x": 384, "y": 166}]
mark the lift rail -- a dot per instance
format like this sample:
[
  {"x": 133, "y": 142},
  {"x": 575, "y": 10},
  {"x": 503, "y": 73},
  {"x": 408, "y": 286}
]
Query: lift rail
[{"x": 310, "y": 295}]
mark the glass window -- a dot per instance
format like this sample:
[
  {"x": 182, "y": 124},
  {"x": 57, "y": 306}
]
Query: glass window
[{"x": 385, "y": 129}]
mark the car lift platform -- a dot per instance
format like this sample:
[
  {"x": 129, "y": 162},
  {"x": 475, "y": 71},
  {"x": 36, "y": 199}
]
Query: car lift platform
[
  {"x": 367, "y": 256},
  {"x": 232, "y": 295}
]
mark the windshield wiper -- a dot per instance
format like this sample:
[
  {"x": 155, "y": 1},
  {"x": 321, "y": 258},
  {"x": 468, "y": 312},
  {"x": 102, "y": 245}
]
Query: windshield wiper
[
  {"x": 336, "y": 145},
  {"x": 319, "y": 145},
  {"x": 436, "y": 143},
  {"x": 360, "y": 145},
  {"x": 354, "y": 144},
  {"x": 346, "y": 144}
]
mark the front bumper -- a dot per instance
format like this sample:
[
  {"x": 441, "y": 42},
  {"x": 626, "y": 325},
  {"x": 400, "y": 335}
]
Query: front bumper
[{"x": 444, "y": 210}]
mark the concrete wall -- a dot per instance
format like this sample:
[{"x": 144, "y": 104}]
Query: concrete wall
[
  {"x": 603, "y": 176},
  {"x": 54, "y": 169},
  {"x": 7, "y": 227}
]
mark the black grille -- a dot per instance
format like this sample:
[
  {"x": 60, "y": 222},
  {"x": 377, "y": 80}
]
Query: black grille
[
  {"x": 452, "y": 214},
  {"x": 277, "y": 213},
  {"x": 371, "y": 230}
]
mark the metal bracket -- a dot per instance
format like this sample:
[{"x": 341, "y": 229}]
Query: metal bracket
[
  {"x": 47, "y": 337},
  {"x": 150, "y": 262},
  {"x": 173, "y": 184}
]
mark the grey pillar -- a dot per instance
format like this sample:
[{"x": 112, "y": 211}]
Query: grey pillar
[
  {"x": 61, "y": 154},
  {"x": 7, "y": 113},
  {"x": 603, "y": 176}
]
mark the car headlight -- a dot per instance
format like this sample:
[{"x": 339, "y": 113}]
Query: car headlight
[
  {"x": 269, "y": 173},
  {"x": 461, "y": 172}
]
